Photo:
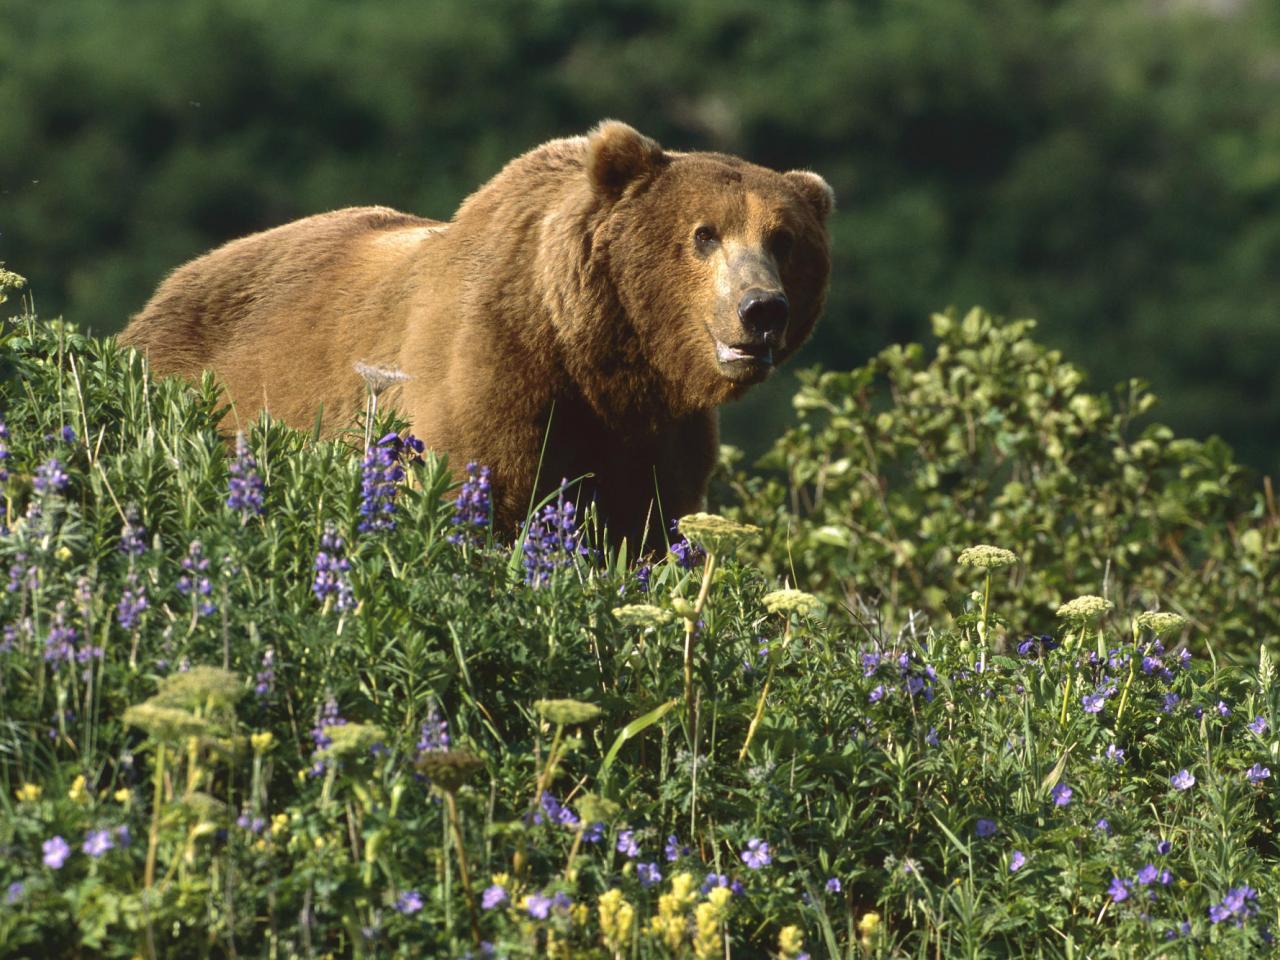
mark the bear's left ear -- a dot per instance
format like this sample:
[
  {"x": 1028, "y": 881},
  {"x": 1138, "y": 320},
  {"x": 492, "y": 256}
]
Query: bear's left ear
[
  {"x": 816, "y": 191},
  {"x": 617, "y": 155}
]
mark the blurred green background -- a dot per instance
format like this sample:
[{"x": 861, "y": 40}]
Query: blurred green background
[{"x": 1109, "y": 166}]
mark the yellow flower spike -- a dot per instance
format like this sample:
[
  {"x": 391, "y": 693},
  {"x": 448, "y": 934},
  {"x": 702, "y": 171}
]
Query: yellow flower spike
[
  {"x": 790, "y": 941},
  {"x": 578, "y": 914},
  {"x": 30, "y": 793},
  {"x": 868, "y": 926},
  {"x": 77, "y": 793}
]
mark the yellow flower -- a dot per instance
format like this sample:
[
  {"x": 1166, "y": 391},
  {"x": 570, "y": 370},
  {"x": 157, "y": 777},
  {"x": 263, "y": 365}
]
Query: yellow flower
[
  {"x": 868, "y": 926},
  {"x": 279, "y": 823},
  {"x": 616, "y": 919},
  {"x": 262, "y": 742},
  {"x": 30, "y": 792},
  {"x": 77, "y": 793},
  {"x": 670, "y": 923},
  {"x": 708, "y": 936},
  {"x": 790, "y": 941},
  {"x": 63, "y": 554},
  {"x": 122, "y": 796}
]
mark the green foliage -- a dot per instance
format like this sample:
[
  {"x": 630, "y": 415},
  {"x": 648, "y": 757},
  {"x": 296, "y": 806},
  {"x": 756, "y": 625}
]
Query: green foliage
[
  {"x": 320, "y": 738},
  {"x": 895, "y": 467},
  {"x": 1112, "y": 166}
]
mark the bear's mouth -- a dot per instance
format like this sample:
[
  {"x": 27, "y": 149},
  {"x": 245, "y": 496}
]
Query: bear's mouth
[{"x": 744, "y": 361}]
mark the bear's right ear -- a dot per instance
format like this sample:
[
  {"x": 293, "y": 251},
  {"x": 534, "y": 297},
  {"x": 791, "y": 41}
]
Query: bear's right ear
[
  {"x": 618, "y": 155},
  {"x": 816, "y": 191}
]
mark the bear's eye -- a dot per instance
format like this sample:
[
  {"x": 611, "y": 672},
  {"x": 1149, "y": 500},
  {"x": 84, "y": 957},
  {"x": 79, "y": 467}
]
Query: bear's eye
[
  {"x": 704, "y": 238},
  {"x": 780, "y": 244}
]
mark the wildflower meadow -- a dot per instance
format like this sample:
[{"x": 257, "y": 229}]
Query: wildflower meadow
[{"x": 269, "y": 695}]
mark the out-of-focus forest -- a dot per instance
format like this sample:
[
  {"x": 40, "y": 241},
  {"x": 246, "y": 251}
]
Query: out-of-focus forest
[{"x": 1109, "y": 166}]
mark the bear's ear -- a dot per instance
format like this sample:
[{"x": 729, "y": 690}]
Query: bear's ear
[
  {"x": 816, "y": 191},
  {"x": 617, "y": 155}
]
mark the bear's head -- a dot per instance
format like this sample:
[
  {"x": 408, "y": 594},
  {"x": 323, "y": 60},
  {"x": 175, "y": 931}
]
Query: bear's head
[{"x": 719, "y": 265}]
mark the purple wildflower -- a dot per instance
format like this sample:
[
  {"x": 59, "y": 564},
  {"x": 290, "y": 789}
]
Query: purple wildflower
[
  {"x": 331, "y": 566},
  {"x": 833, "y": 885},
  {"x": 60, "y": 644},
  {"x": 557, "y": 812},
  {"x": 1036, "y": 646},
  {"x": 931, "y": 738},
  {"x": 1093, "y": 702},
  {"x": 1163, "y": 848},
  {"x": 435, "y": 731},
  {"x": 594, "y": 832},
  {"x": 712, "y": 881},
  {"x": 409, "y": 902},
  {"x": 133, "y": 537},
  {"x": 538, "y": 906},
  {"x": 1223, "y": 709},
  {"x": 473, "y": 509},
  {"x": 13, "y": 893},
  {"x": 1183, "y": 780},
  {"x": 551, "y": 540},
  {"x": 1237, "y": 903},
  {"x": 193, "y": 582},
  {"x": 627, "y": 844},
  {"x": 265, "y": 678},
  {"x": 133, "y": 602},
  {"x": 381, "y": 473},
  {"x": 1061, "y": 795},
  {"x": 4, "y": 452},
  {"x": 673, "y": 851},
  {"x": 97, "y": 843},
  {"x": 1119, "y": 889},
  {"x": 244, "y": 488},
  {"x": 643, "y": 573},
  {"x": 870, "y": 663},
  {"x": 328, "y": 716},
  {"x": 648, "y": 874},
  {"x": 1016, "y": 861},
  {"x": 1257, "y": 773},
  {"x": 55, "y": 852},
  {"x": 757, "y": 855},
  {"x": 50, "y": 477},
  {"x": 495, "y": 895},
  {"x": 688, "y": 555},
  {"x": 1103, "y": 826},
  {"x": 1258, "y": 725},
  {"x": 1115, "y": 754},
  {"x": 984, "y": 827},
  {"x": 1148, "y": 874},
  {"x": 876, "y": 695}
]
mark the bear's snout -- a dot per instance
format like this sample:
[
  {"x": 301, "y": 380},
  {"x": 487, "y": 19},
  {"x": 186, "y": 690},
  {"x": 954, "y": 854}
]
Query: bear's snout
[{"x": 764, "y": 314}]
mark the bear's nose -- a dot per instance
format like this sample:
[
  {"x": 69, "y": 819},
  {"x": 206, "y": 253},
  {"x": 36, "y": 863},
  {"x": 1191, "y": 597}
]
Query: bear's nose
[{"x": 764, "y": 313}]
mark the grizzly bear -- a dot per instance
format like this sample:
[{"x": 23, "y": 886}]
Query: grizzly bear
[{"x": 582, "y": 315}]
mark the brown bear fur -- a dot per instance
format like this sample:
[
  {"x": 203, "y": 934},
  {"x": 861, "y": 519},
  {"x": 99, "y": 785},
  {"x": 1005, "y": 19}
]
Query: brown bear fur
[{"x": 574, "y": 289}]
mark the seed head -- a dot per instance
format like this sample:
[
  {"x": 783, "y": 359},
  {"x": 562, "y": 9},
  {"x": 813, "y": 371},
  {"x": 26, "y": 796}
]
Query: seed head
[
  {"x": 566, "y": 712},
  {"x": 642, "y": 615},
  {"x": 379, "y": 378},
  {"x": 165, "y": 723},
  {"x": 199, "y": 687},
  {"x": 987, "y": 557},
  {"x": 1161, "y": 623},
  {"x": 715, "y": 533},
  {"x": 449, "y": 769},
  {"x": 1084, "y": 609},
  {"x": 790, "y": 601}
]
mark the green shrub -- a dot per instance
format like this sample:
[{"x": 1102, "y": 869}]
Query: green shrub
[{"x": 896, "y": 466}]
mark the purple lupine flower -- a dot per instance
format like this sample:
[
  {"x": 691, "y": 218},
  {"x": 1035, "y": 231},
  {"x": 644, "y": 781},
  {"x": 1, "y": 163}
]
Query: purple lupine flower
[
  {"x": 1257, "y": 773},
  {"x": 1223, "y": 709},
  {"x": 331, "y": 566},
  {"x": 495, "y": 895},
  {"x": 931, "y": 738},
  {"x": 1258, "y": 725},
  {"x": 626, "y": 844},
  {"x": 435, "y": 731},
  {"x": 244, "y": 486},
  {"x": 22, "y": 576},
  {"x": 1183, "y": 780},
  {"x": 133, "y": 601},
  {"x": 984, "y": 827},
  {"x": 673, "y": 851},
  {"x": 1184, "y": 658},
  {"x": 60, "y": 643},
  {"x": 688, "y": 555},
  {"x": 13, "y": 893},
  {"x": 1119, "y": 889},
  {"x": 55, "y": 852},
  {"x": 265, "y": 678},
  {"x": 4, "y": 452},
  {"x": 538, "y": 906},
  {"x": 757, "y": 855},
  {"x": 876, "y": 695},
  {"x": 1163, "y": 847},
  {"x": 643, "y": 572},
  {"x": 870, "y": 663},
  {"x": 50, "y": 477},
  {"x": 833, "y": 885},
  {"x": 328, "y": 716},
  {"x": 648, "y": 874},
  {"x": 473, "y": 509},
  {"x": 1037, "y": 646},
  {"x": 557, "y": 812},
  {"x": 133, "y": 536},
  {"x": 1016, "y": 861},
  {"x": 193, "y": 582},
  {"x": 97, "y": 843},
  {"x": 551, "y": 540},
  {"x": 67, "y": 434},
  {"x": 381, "y": 473},
  {"x": 1170, "y": 701},
  {"x": 1061, "y": 795},
  {"x": 1115, "y": 754},
  {"x": 1103, "y": 826},
  {"x": 409, "y": 902}
]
